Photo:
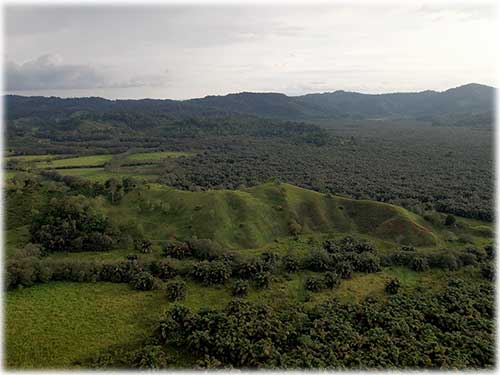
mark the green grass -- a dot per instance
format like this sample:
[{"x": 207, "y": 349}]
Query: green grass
[
  {"x": 32, "y": 157},
  {"x": 253, "y": 218},
  {"x": 143, "y": 156},
  {"x": 53, "y": 325},
  {"x": 100, "y": 174},
  {"x": 91, "y": 160}
]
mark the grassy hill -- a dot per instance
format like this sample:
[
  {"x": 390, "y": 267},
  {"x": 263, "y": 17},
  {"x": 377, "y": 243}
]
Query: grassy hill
[{"x": 253, "y": 217}]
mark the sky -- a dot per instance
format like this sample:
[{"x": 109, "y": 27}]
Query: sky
[{"x": 187, "y": 51}]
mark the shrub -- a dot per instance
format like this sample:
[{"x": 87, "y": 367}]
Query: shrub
[
  {"x": 450, "y": 220},
  {"x": 419, "y": 264},
  {"x": 176, "y": 290},
  {"x": 249, "y": 268},
  {"x": 331, "y": 279},
  {"x": 144, "y": 246},
  {"x": 344, "y": 269},
  {"x": 443, "y": 260},
  {"x": 490, "y": 251},
  {"x": 150, "y": 357},
  {"x": 392, "y": 286},
  {"x": 263, "y": 280},
  {"x": 163, "y": 269},
  {"x": 143, "y": 281},
  {"x": 488, "y": 272},
  {"x": 270, "y": 261},
  {"x": 367, "y": 262},
  {"x": 291, "y": 263},
  {"x": 205, "y": 249},
  {"x": 294, "y": 228},
  {"x": 176, "y": 249},
  {"x": 209, "y": 273},
  {"x": 240, "y": 288},
  {"x": 314, "y": 284},
  {"x": 319, "y": 260}
]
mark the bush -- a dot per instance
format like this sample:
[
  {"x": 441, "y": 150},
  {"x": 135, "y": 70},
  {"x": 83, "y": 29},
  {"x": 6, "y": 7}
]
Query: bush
[
  {"x": 291, "y": 263},
  {"x": 419, "y": 264},
  {"x": 319, "y": 260},
  {"x": 314, "y": 284},
  {"x": 176, "y": 290},
  {"x": 443, "y": 260},
  {"x": 344, "y": 269},
  {"x": 163, "y": 269},
  {"x": 176, "y": 249},
  {"x": 150, "y": 357},
  {"x": 240, "y": 288},
  {"x": 263, "y": 280},
  {"x": 392, "y": 286},
  {"x": 205, "y": 249},
  {"x": 331, "y": 279},
  {"x": 249, "y": 268},
  {"x": 209, "y": 273},
  {"x": 143, "y": 281},
  {"x": 144, "y": 246},
  {"x": 71, "y": 224},
  {"x": 488, "y": 272},
  {"x": 270, "y": 261},
  {"x": 367, "y": 262}
]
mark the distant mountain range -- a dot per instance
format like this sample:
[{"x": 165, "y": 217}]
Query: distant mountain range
[{"x": 469, "y": 101}]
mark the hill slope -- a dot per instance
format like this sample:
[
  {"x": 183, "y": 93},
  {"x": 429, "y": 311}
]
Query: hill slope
[
  {"x": 256, "y": 216},
  {"x": 470, "y": 98}
]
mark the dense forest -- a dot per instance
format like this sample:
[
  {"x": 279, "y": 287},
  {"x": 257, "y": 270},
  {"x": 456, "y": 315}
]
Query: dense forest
[{"x": 336, "y": 230}]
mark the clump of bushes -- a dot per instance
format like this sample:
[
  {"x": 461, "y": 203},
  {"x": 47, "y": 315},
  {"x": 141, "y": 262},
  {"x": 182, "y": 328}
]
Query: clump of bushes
[
  {"x": 143, "y": 281},
  {"x": 210, "y": 273},
  {"x": 392, "y": 286},
  {"x": 240, "y": 288},
  {"x": 176, "y": 249},
  {"x": 176, "y": 290}
]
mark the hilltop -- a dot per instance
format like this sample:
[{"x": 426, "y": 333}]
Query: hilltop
[{"x": 254, "y": 217}]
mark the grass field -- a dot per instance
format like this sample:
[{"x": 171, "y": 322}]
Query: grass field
[
  {"x": 33, "y": 157},
  {"x": 52, "y": 325},
  {"x": 92, "y": 160},
  {"x": 143, "y": 156},
  {"x": 100, "y": 174}
]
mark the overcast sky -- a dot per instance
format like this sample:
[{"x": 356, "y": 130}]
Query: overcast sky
[{"x": 182, "y": 52}]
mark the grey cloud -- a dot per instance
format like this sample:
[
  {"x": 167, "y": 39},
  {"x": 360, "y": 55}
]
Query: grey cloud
[{"x": 50, "y": 72}]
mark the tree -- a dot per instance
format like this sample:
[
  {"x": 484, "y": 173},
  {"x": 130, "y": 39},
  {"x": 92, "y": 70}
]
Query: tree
[
  {"x": 143, "y": 281},
  {"x": 392, "y": 286},
  {"x": 71, "y": 224},
  {"x": 176, "y": 290},
  {"x": 450, "y": 220},
  {"x": 240, "y": 288}
]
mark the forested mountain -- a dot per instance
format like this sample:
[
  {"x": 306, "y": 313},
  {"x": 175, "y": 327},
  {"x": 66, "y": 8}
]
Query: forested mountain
[{"x": 467, "y": 99}]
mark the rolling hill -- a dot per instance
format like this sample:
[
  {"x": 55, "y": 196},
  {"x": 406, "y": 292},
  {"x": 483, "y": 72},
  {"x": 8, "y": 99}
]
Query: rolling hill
[
  {"x": 255, "y": 216},
  {"x": 470, "y": 98}
]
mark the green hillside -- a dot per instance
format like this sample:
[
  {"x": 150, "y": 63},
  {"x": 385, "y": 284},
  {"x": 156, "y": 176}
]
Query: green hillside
[{"x": 253, "y": 217}]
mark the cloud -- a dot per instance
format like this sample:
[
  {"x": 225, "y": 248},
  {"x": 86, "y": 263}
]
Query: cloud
[{"x": 49, "y": 72}]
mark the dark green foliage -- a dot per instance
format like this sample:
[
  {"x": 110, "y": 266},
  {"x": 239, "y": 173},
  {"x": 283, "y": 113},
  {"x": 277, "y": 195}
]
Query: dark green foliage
[
  {"x": 71, "y": 224},
  {"x": 249, "y": 268},
  {"x": 331, "y": 280},
  {"x": 162, "y": 269},
  {"x": 262, "y": 280},
  {"x": 291, "y": 263},
  {"x": 143, "y": 281},
  {"x": 205, "y": 249},
  {"x": 150, "y": 357},
  {"x": 450, "y": 220},
  {"x": 449, "y": 329},
  {"x": 240, "y": 288},
  {"x": 209, "y": 273},
  {"x": 144, "y": 246},
  {"x": 319, "y": 260},
  {"x": 176, "y": 290},
  {"x": 392, "y": 286},
  {"x": 176, "y": 249},
  {"x": 314, "y": 283},
  {"x": 488, "y": 272},
  {"x": 420, "y": 264},
  {"x": 344, "y": 269},
  {"x": 490, "y": 251},
  {"x": 366, "y": 262}
]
